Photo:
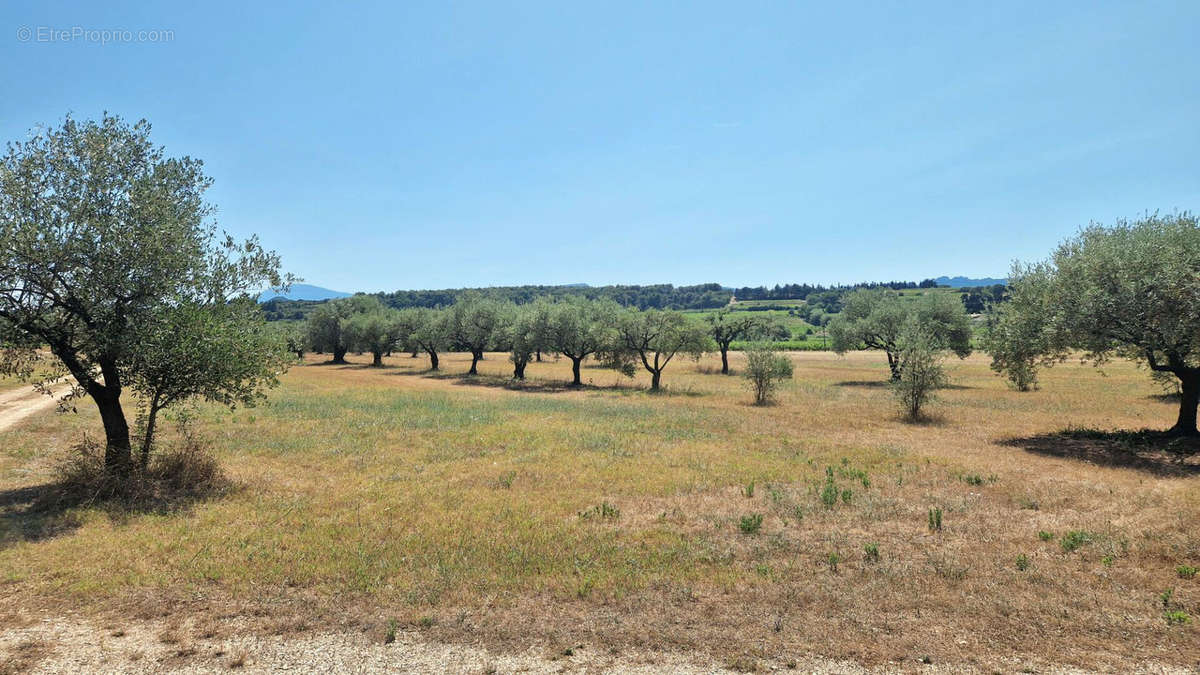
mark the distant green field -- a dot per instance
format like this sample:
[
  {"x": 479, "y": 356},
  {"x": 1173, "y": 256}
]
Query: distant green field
[
  {"x": 805, "y": 336},
  {"x": 769, "y": 303},
  {"x": 912, "y": 294}
]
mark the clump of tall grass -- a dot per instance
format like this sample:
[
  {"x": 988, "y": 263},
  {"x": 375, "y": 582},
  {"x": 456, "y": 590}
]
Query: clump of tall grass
[{"x": 176, "y": 474}]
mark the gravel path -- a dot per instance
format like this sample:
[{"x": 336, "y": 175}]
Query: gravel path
[
  {"x": 70, "y": 645},
  {"x": 76, "y": 645}
]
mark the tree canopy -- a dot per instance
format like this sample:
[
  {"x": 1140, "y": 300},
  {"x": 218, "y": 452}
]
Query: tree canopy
[
  {"x": 875, "y": 318},
  {"x": 654, "y": 337},
  {"x": 476, "y": 322},
  {"x": 375, "y": 331},
  {"x": 725, "y": 326},
  {"x": 578, "y": 328},
  {"x": 1132, "y": 290},
  {"x": 104, "y": 243}
]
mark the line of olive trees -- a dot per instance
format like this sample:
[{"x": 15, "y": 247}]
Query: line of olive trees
[
  {"x": 576, "y": 329},
  {"x": 912, "y": 334}
]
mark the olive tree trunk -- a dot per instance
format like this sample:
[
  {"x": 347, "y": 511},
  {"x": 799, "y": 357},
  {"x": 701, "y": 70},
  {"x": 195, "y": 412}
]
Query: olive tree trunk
[
  {"x": 117, "y": 450},
  {"x": 894, "y": 365},
  {"x": 1189, "y": 397}
]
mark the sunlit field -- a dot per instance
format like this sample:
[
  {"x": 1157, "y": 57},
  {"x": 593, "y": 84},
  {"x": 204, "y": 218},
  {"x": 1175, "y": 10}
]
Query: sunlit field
[{"x": 612, "y": 519}]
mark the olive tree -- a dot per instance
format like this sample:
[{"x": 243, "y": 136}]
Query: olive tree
[
  {"x": 427, "y": 330},
  {"x": 476, "y": 323},
  {"x": 373, "y": 331},
  {"x": 526, "y": 330},
  {"x": 921, "y": 353},
  {"x": 104, "y": 243},
  {"x": 1129, "y": 290},
  {"x": 295, "y": 336},
  {"x": 218, "y": 352},
  {"x": 328, "y": 323},
  {"x": 765, "y": 367},
  {"x": 578, "y": 328},
  {"x": 1016, "y": 331},
  {"x": 875, "y": 318},
  {"x": 725, "y": 326},
  {"x": 654, "y": 337}
]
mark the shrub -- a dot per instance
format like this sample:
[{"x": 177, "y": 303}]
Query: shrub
[
  {"x": 178, "y": 474},
  {"x": 920, "y": 372},
  {"x": 1185, "y": 571},
  {"x": 1022, "y": 562},
  {"x": 829, "y": 493},
  {"x": 751, "y": 524},
  {"x": 748, "y": 490},
  {"x": 1045, "y": 536},
  {"x": 603, "y": 510},
  {"x": 871, "y": 552},
  {"x": 832, "y": 560},
  {"x": 764, "y": 369},
  {"x": 1176, "y": 618},
  {"x": 1074, "y": 539},
  {"x": 935, "y": 520},
  {"x": 1165, "y": 597}
]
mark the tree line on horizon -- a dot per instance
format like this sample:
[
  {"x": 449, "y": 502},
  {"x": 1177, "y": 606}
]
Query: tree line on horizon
[{"x": 657, "y": 296}]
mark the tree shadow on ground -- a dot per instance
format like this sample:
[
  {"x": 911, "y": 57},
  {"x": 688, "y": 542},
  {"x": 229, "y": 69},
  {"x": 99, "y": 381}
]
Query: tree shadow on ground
[
  {"x": 932, "y": 420},
  {"x": 31, "y": 514},
  {"x": 1154, "y": 452},
  {"x": 536, "y": 386},
  {"x": 883, "y": 384},
  {"x": 174, "y": 483},
  {"x": 334, "y": 364}
]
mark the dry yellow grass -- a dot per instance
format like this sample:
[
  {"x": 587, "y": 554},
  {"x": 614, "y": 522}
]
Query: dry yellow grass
[{"x": 482, "y": 510}]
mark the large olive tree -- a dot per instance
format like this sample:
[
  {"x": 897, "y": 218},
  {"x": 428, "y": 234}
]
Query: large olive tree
[
  {"x": 525, "y": 333},
  {"x": 427, "y": 330},
  {"x": 104, "y": 242},
  {"x": 376, "y": 331},
  {"x": 875, "y": 318},
  {"x": 476, "y": 323},
  {"x": 654, "y": 337},
  {"x": 1131, "y": 290},
  {"x": 329, "y": 324},
  {"x": 578, "y": 328}
]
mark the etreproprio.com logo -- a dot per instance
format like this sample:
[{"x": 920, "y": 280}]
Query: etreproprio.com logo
[{"x": 102, "y": 36}]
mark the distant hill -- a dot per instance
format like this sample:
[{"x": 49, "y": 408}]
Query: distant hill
[
  {"x": 303, "y": 292},
  {"x": 968, "y": 282}
]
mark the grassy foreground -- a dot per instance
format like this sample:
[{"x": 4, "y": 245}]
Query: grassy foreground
[{"x": 612, "y": 518}]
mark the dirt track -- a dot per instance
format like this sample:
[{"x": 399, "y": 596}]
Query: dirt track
[{"x": 20, "y": 403}]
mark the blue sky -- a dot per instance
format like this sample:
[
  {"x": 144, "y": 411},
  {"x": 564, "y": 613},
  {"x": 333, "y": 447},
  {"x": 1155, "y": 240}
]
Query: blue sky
[{"x": 431, "y": 145}]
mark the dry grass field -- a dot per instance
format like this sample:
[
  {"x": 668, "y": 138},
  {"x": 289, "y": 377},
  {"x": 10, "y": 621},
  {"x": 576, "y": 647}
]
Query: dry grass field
[{"x": 608, "y": 519}]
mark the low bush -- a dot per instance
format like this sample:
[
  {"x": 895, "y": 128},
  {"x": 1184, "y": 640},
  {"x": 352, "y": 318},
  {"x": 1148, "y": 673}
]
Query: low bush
[{"x": 175, "y": 475}]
